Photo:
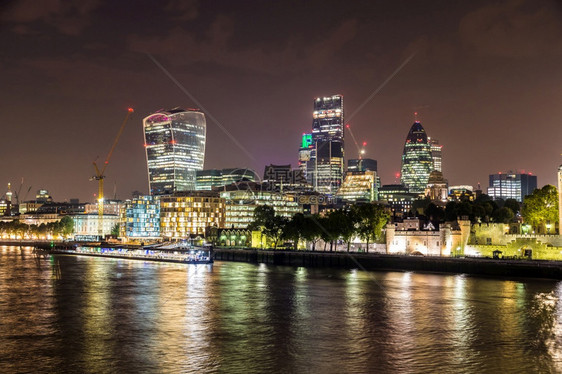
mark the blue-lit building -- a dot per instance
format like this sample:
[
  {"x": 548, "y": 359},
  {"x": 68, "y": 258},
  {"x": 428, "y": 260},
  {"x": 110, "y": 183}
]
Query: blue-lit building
[
  {"x": 175, "y": 149},
  {"x": 511, "y": 186},
  {"x": 142, "y": 218}
]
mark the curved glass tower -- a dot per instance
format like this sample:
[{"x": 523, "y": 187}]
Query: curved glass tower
[
  {"x": 417, "y": 161},
  {"x": 175, "y": 149}
]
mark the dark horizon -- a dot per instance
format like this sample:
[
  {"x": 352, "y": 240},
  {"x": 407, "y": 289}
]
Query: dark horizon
[{"x": 485, "y": 78}]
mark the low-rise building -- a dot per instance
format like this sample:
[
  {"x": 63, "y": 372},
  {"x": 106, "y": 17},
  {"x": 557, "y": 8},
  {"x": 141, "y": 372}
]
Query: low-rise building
[
  {"x": 450, "y": 239},
  {"x": 242, "y": 199},
  {"x": 398, "y": 198},
  {"x": 86, "y": 226},
  {"x": 190, "y": 212},
  {"x": 359, "y": 186}
]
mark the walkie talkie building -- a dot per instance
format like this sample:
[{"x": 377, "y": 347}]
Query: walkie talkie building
[{"x": 175, "y": 149}]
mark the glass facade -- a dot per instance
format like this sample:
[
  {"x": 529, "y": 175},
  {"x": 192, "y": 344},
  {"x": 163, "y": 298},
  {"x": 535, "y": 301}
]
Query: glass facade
[
  {"x": 325, "y": 170},
  {"x": 511, "y": 186},
  {"x": 175, "y": 149},
  {"x": 417, "y": 161},
  {"x": 142, "y": 217}
]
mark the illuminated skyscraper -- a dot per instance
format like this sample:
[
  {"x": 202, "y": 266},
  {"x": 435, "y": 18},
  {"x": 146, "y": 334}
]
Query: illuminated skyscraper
[
  {"x": 436, "y": 153},
  {"x": 175, "y": 149},
  {"x": 417, "y": 161},
  {"x": 326, "y": 173}
]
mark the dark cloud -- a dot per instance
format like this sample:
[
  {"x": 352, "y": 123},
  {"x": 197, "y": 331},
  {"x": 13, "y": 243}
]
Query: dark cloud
[
  {"x": 66, "y": 17},
  {"x": 514, "y": 29},
  {"x": 485, "y": 79},
  {"x": 183, "y": 10},
  {"x": 184, "y": 48}
]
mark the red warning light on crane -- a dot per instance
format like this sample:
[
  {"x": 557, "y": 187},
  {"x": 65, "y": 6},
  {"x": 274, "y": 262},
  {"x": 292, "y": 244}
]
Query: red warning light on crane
[{"x": 131, "y": 110}]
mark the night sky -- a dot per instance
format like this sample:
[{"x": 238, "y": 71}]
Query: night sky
[{"x": 486, "y": 78}]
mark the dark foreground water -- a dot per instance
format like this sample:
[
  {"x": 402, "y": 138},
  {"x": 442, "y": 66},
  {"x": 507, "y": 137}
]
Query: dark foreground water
[{"x": 96, "y": 315}]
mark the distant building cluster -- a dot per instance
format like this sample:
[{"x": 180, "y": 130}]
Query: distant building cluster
[{"x": 186, "y": 200}]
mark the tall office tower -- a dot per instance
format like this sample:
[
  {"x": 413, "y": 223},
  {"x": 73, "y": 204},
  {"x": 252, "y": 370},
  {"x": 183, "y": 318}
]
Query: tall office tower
[
  {"x": 417, "y": 162},
  {"x": 327, "y": 137},
  {"x": 511, "y": 185},
  {"x": 436, "y": 153},
  {"x": 175, "y": 149},
  {"x": 560, "y": 200}
]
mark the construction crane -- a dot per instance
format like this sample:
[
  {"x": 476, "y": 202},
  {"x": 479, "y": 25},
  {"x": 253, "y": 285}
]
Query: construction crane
[
  {"x": 360, "y": 151},
  {"x": 100, "y": 174}
]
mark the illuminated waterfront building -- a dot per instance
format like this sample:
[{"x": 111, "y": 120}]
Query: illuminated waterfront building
[
  {"x": 141, "y": 218},
  {"x": 511, "y": 186},
  {"x": 86, "y": 226},
  {"x": 436, "y": 153},
  {"x": 175, "y": 149},
  {"x": 359, "y": 186},
  {"x": 325, "y": 172},
  {"x": 242, "y": 199},
  {"x": 417, "y": 161},
  {"x": 214, "y": 178},
  {"x": 188, "y": 213}
]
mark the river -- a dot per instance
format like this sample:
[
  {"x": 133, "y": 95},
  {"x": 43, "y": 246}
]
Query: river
[{"x": 70, "y": 314}]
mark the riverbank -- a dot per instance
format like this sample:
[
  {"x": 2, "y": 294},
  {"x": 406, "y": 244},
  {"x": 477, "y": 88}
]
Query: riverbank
[
  {"x": 363, "y": 261},
  {"x": 368, "y": 261}
]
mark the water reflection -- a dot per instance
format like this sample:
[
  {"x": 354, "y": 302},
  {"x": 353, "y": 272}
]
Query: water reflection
[{"x": 86, "y": 314}]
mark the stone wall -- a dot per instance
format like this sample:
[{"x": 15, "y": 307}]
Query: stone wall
[
  {"x": 516, "y": 249},
  {"x": 498, "y": 234}
]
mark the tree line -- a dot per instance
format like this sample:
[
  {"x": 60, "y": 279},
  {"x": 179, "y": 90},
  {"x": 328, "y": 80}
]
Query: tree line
[
  {"x": 538, "y": 209},
  {"x": 365, "y": 221},
  {"x": 63, "y": 227}
]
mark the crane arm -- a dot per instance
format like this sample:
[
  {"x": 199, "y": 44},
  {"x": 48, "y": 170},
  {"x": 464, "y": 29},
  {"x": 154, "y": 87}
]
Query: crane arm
[
  {"x": 98, "y": 174},
  {"x": 130, "y": 110}
]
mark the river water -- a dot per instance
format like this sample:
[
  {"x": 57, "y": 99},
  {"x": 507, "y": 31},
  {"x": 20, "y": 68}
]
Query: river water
[{"x": 98, "y": 315}]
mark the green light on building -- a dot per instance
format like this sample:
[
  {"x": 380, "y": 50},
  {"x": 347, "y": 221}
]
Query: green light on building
[{"x": 306, "y": 140}]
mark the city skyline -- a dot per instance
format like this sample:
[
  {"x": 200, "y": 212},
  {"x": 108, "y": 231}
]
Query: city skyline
[{"x": 70, "y": 72}]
